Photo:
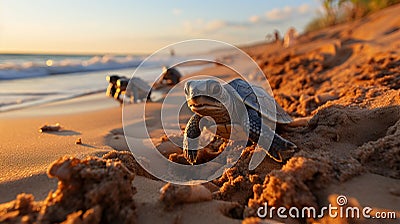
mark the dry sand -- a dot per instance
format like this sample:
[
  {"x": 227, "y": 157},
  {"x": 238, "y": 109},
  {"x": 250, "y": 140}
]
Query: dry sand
[
  {"x": 346, "y": 79},
  {"x": 25, "y": 153}
]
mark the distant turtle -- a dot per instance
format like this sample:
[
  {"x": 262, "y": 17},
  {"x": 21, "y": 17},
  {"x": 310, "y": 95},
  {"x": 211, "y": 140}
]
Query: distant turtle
[
  {"x": 210, "y": 98},
  {"x": 137, "y": 89},
  {"x": 112, "y": 84},
  {"x": 170, "y": 75}
]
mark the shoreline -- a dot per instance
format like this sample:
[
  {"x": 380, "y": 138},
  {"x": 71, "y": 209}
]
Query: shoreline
[{"x": 64, "y": 94}]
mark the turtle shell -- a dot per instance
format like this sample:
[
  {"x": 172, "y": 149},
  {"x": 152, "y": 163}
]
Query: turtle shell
[
  {"x": 140, "y": 84},
  {"x": 257, "y": 98}
]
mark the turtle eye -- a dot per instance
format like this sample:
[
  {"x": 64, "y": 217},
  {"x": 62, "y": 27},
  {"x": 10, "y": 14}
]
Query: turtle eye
[{"x": 216, "y": 89}]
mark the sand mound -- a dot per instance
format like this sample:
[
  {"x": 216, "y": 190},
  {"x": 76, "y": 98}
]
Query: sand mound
[
  {"x": 236, "y": 183},
  {"x": 383, "y": 155},
  {"x": 129, "y": 161},
  {"x": 86, "y": 193},
  {"x": 172, "y": 194},
  {"x": 292, "y": 185}
]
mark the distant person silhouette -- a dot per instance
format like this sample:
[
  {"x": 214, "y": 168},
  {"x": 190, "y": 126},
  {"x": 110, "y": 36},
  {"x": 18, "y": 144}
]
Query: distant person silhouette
[
  {"x": 172, "y": 52},
  {"x": 290, "y": 37},
  {"x": 277, "y": 36}
]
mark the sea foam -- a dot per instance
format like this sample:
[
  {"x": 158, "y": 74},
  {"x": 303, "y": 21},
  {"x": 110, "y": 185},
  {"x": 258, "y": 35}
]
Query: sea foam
[{"x": 36, "y": 68}]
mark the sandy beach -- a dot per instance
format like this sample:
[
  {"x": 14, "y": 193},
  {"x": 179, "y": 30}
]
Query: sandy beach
[
  {"x": 33, "y": 151},
  {"x": 341, "y": 85}
]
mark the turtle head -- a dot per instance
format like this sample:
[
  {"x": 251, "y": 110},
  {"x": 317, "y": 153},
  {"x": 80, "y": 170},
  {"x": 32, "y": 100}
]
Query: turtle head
[
  {"x": 112, "y": 79},
  {"x": 206, "y": 97}
]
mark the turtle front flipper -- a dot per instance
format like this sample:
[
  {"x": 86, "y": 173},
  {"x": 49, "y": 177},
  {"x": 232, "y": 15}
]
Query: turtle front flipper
[{"x": 190, "y": 139}]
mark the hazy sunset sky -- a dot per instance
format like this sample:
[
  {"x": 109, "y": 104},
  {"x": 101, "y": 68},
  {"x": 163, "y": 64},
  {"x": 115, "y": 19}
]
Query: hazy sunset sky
[{"x": 97, "y": 26}]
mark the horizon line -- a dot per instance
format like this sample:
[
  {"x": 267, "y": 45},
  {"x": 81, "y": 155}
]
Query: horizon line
[{"x": 68, "y": 53}]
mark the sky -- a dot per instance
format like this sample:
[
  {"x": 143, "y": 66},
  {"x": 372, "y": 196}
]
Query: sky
[{"x": 141, "y": 27}]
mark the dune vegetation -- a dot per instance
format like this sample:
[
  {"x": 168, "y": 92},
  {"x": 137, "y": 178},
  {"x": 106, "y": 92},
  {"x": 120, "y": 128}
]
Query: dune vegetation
[{"x": 339, "y": 11}]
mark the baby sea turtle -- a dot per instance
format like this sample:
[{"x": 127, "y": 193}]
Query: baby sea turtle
[
  {"x": 135, "y": 88},
  {"x": 208, "y": 98}
]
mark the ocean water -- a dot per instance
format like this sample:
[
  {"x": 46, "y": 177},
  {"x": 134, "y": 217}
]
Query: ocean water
[{"x": 33, "y": 79}]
